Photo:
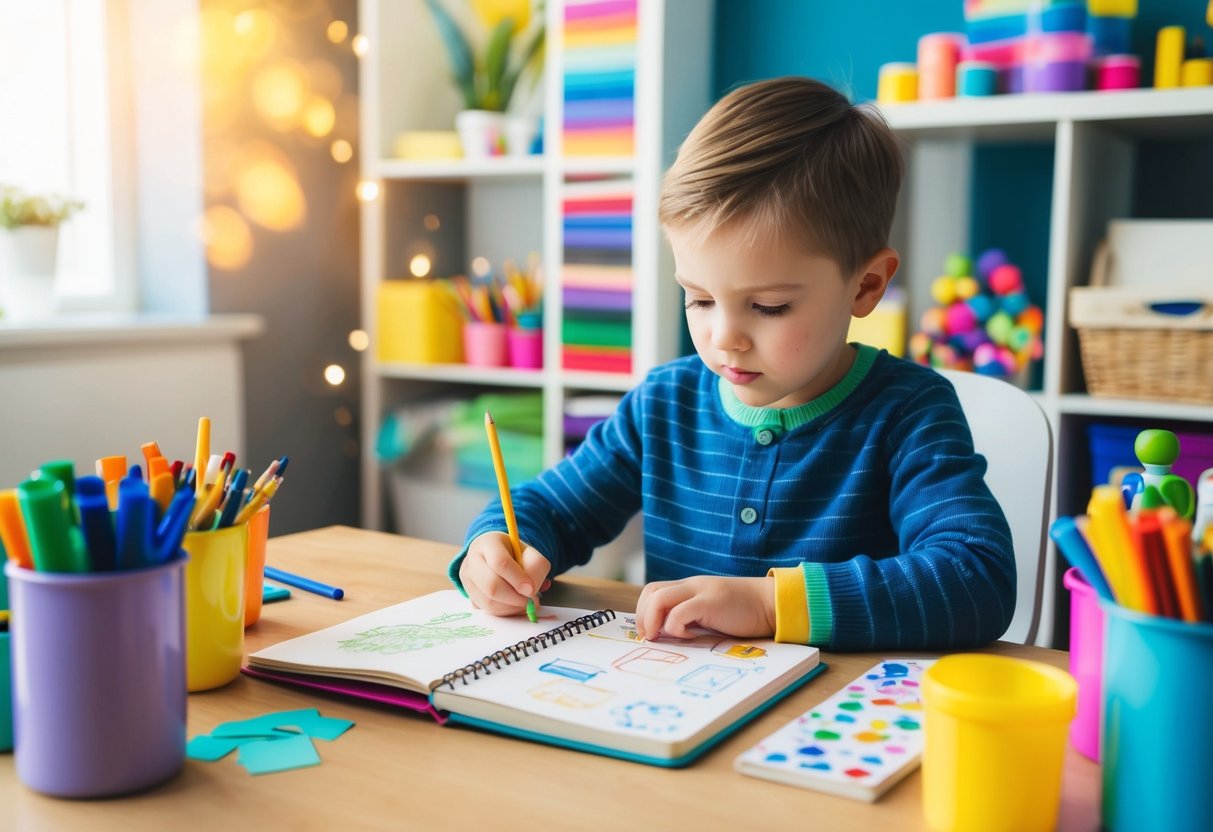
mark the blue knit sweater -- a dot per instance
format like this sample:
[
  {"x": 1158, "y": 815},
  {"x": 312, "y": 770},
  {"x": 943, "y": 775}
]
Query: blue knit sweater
[{"x": 873, "y": 490}]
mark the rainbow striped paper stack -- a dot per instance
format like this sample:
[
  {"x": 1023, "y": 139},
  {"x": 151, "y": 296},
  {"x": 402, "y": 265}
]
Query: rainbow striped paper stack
[{"x": 599, "y": 77}]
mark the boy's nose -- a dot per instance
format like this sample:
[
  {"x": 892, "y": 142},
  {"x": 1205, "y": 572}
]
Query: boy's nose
[{"x": 727, "y": 336}]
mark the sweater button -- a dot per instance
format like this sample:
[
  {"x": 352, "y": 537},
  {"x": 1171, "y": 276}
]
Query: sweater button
[
  {"x": 748, "y": 515},
  {"x": 766, "y": 434}
]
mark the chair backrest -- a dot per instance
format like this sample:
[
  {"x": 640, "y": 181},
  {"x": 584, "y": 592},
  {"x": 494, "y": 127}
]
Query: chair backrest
[{"x": 1013, "y": 434}]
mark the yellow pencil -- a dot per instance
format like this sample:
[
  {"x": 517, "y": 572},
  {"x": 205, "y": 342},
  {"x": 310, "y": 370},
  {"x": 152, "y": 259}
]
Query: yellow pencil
[
  {"x": 507, "y": 505},
  {"x": 260, "y": 497},
  {"x": 202, "y": 455}
]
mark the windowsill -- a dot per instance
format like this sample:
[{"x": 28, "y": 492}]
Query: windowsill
[{"x": 107, "y": 328}]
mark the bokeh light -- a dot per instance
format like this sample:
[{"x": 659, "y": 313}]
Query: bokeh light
[
  {"x": 280, "y": 91},
  {"x": 319, "y": 117},
  {"x": 368, "y": 191},
  {"x": 334, "y": 374},
  {"x": 359, "y": 339},
  {"x": 268, "y": 189},
  {"x": 343, "y": 416},
  {"x": 432, "y": 223},
  {"x": 420, "y": 265},
  {"x": 360, "y": 45},
  {"x": 337, "y": 31},
  {"x": 341, "y": 150},
  {"x": 481, "y": 266},
  {"x": 228, "y": 239}
]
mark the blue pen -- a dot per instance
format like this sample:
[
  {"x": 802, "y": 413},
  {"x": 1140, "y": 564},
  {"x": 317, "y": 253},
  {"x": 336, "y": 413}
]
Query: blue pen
[
  {"x": 171, "y": 531},
  {"x": 235, "y": 494},
  {"x": 1074, "y": 548},
  {"x": 282, "y": 463},
  {"x": 136, "y": 517},
  {"x": 304, "y": 583},
  {"x": 96, "y": 523}
]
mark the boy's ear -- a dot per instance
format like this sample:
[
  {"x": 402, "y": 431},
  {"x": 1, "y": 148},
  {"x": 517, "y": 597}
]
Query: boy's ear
[{"x": 874, "y": 277}]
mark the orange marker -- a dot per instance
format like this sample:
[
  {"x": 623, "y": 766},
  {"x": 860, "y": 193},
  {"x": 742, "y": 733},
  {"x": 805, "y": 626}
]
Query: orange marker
[
  {"x": 163, "y": 488},
  {"x": 12, "y": 530},
  {"x": 1148, "y": 540},
  {"x": 1113, "y": 545},
  {"x": 111, "y": 469},
  {"x": 1176, "y": 532},
  {"x": 150, "y": 451}
]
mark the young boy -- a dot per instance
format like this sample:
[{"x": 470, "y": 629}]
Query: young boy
[{"x": 792, "y": 484}]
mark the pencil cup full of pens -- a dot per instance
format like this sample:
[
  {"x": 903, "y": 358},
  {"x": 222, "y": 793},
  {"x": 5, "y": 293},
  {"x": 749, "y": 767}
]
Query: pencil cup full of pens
[
  {"x": 1145, "y": 547},
  {"x": 502, "y": 314},
  {"x": 99, "y": 664}
]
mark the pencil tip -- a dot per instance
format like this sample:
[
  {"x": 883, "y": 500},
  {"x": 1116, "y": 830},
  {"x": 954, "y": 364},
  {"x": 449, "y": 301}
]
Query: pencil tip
[{"x": 488, "y": 418}]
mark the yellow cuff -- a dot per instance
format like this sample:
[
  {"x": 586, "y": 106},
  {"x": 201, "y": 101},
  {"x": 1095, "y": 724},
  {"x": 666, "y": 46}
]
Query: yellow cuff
[{"x": 791, "y": 605}]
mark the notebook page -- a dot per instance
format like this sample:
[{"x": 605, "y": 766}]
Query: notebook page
[{"x": 411, "y": 644}]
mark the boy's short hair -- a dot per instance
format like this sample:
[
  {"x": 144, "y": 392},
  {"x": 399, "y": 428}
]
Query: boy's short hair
[{"x": 790, "y": 158}]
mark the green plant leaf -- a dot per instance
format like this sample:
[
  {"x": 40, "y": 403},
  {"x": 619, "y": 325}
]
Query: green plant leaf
[
  {"x": 496, "y": 54},
  {"x": 510, "y": 81},
  {"x": 458, "y": 51}
]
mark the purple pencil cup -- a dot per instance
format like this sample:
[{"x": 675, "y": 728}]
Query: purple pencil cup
[
  {"x": 1086, "y": 662},
  {"x": 98, "y": 679}
]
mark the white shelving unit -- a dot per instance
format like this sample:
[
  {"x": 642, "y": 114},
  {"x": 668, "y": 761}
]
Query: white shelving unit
[
  {"x": 509, "y": 206},
  {"x": 1095, "y": 138}
]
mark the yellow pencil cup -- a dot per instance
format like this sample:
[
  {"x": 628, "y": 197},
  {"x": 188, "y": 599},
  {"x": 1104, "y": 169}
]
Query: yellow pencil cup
[
  {"x": 994, "y": 742},
  {"x": 214, "y": 606}
]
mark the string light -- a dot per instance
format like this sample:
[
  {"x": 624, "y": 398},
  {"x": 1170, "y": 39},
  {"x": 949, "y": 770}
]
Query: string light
[
  {"x": 334, "y": 374},
  {"x": 420, "y": 265},
  {"x": 359, "y": 339},
  {"x": 368, "y": 191}
]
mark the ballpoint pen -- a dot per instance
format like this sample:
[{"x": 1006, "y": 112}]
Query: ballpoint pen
[{"x": 507, "y": 504}]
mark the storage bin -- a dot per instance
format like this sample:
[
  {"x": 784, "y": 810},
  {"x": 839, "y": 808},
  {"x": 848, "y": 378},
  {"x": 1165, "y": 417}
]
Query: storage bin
[
  {"x": 1144, "y": 342},
  {"x": 418, "y": 323}
]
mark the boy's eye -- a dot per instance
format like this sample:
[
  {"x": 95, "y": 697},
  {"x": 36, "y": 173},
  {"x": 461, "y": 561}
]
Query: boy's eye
[
  {"x": 771, "y": 311},
  {"x": 696, "y": 303}
]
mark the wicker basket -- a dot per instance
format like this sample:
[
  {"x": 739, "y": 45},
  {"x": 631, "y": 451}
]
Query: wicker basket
[{"x": 1130, "y": 350}]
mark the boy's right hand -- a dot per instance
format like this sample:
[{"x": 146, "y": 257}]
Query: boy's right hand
[{"x": 494, "y": 582}]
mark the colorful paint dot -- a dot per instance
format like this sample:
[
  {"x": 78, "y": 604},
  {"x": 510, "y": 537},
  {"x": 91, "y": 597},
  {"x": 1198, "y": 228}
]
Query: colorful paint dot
[
  {"x": 871, "y": 736},
  {"x": 857, "y": 773},
  {"x": 907, "y": 724},
  {"x": 777, "y": 758},
  {"x": 884, "y": 702},
  {"x": 815, "y": 714},
  {"x": 817, "y": 766},
  {"x": 879, "y": 724},
  {"x": 854, "y": 687},
  {"x": 873, "y": 760},
  {"x": 844, "y": 718},
  {"x": 912, "y": 706},
  {"x": 851, "y": 706},
  {"x": 812, "y": 751},
  {"x": 827, "y": 735},
  {"x": 856, "y": 695},
  {"x": 895, "y": 749}
]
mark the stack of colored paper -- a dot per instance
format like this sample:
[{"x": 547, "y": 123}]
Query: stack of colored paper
[
  {"x": 599, "y": 77},
  {"x": 597, "y": 275}
]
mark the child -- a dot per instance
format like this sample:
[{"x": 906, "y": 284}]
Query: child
[{"x": 792, "y": 484}]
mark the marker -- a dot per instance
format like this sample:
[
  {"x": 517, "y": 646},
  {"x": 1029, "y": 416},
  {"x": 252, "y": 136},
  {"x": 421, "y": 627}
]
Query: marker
[
  {"x": 300, "y": 582},
  {"x": 1113, "y": 545},
  {"x": 1073, "y": 547},
  {"x": 111, "y": 469},
  {"x": 507, "y": 504},
  {"x": 63, "y": 470},
  {"x": 136, "y": 514},
  {"x": 44, "y": 507},
  {"x": 12, "y": 530},
  {"x": 151, "y": 450},
  {"x": 1176, "y": 532},
  {"x": 168, "y": 535},
  {"x": 96, "y": 524},
  {"x": 232, "y": 502}
]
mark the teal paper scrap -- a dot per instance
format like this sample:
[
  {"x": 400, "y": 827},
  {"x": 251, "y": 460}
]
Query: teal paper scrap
[
  {"x": 289, "y": 732},
  {"x": 270, "y": 594},
  {"x": 269, "y": 756}
]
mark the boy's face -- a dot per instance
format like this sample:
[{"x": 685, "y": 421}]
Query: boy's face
[{"x": 769, "y": 318}]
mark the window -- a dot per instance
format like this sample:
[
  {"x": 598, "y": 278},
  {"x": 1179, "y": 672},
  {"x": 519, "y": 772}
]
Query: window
[{"x": 65, "y": 128}]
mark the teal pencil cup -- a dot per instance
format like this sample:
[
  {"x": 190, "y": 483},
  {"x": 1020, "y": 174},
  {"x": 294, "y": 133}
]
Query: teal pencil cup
[
  {"x": 1157, "y": 725},
  {"x": 6, "y": 693}
]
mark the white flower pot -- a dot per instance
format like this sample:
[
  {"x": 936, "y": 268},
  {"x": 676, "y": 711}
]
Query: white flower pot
[
  {"x": 480, "y": 132},
  {"x": 520, "y": 134},
  {"x": 28, "y": 255}
]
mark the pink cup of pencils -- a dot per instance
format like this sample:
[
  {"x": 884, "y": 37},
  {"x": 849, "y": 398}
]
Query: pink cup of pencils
[
  {"x": 525, "y": 347},
  {"x": 484, "y": 344},
  {"x": 1086, "y": 662}
]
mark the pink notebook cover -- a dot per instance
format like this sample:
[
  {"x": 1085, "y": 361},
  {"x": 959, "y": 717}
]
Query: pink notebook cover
[{"x": 384, "y": 694}]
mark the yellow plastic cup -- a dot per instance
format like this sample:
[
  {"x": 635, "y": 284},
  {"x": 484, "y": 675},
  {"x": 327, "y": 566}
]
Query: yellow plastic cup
[
  {"x": 254, "y": 578},
  {"x": 214, "y": 606},
  {"x": 994, "y": 742}
]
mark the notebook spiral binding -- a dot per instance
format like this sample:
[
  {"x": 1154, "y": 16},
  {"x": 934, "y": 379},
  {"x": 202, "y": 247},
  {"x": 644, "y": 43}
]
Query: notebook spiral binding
[{"x": 526, "y": 647}]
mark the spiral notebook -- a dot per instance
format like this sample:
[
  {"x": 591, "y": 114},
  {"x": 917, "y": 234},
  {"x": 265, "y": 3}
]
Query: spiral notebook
[{"x": 578, "y": 678}]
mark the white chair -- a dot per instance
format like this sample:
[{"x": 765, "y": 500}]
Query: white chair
[{"x": 1013, "y": 434}]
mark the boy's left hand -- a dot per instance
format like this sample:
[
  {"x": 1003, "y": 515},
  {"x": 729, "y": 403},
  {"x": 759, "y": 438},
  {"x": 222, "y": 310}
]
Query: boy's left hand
[{"x": 743, "y": 607}]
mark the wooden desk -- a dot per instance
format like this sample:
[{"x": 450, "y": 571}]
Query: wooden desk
[{"x": 397, "y": 770}]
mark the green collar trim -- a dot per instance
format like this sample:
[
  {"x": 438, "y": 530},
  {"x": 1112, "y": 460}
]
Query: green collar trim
[{"x": 793, "y": 417}]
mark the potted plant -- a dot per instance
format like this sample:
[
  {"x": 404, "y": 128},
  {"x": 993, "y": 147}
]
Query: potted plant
[
  {"x": 29, "y": 242},
  {"x": 486, "y": 68}
]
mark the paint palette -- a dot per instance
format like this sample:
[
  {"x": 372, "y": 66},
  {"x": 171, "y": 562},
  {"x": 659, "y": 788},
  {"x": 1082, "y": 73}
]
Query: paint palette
[{"x": 858, "y": 743}]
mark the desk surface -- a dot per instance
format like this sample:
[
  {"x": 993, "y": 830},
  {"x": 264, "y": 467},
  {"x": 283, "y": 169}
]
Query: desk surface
[{"x": 397, "y": 770}]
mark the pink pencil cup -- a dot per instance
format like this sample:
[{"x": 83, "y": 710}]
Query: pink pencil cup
[
  {"x": 525, "y": 348},
  {"x": 484, "y": 344},
  {"x": 1086, "y": 662}
]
